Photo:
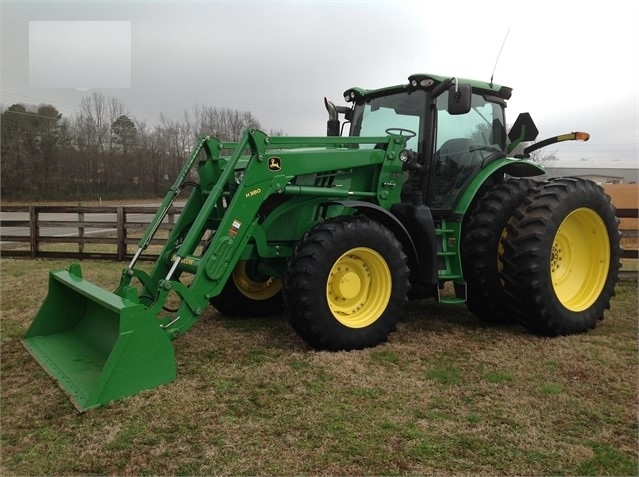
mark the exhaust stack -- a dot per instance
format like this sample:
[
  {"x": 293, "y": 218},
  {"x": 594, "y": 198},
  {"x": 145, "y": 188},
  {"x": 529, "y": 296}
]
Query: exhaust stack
[{"x": 332, "y": 125}]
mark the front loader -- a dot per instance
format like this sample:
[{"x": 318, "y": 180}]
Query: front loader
[{"x": 338, "y": 232}]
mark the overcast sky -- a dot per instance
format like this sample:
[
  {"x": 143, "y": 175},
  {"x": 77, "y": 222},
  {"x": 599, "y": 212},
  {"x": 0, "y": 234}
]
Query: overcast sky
[{"x": 572, "y": 65}]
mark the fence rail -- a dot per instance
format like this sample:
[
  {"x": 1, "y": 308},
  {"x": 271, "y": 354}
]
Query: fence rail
[{"x": 113, "y": 227}]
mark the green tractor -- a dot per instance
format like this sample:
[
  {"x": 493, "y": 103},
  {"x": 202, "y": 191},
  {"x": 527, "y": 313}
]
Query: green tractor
[{"x": 416, "y": 191}]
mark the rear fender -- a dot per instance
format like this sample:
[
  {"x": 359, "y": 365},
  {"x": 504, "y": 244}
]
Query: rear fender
[{"x": 512, "y": 167}]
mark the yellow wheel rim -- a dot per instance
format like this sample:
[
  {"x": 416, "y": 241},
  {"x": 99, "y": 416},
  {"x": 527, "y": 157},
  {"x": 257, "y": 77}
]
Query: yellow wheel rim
[
  {"x": 253, "y": 289},
  {"x": 580, "y": 259},
  {"x": 358, "y": 287}
]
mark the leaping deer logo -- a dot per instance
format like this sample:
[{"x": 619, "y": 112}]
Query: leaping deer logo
[{"x": 274, "y": 163}]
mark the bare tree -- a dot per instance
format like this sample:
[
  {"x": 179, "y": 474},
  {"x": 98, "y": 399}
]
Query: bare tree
[
  {"x": 540, "y": 156},
  {"x": 177, "y": 139},
  {"x": 544, "y": 156},
  {"x": 225, "y": 124},
  {"x": 277, "y": 132},
  {"x": 95, "y": 139}
]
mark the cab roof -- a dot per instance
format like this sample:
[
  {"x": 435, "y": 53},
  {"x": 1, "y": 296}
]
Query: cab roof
[{"x": 428, "y": 81}]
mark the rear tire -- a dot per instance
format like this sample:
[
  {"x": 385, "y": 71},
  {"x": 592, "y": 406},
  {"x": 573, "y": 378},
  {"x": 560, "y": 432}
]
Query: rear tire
[
  {"x": 562, "y": 257},
  {"x": 481, "y": 250},
  {"x": 346, "y": 284}
]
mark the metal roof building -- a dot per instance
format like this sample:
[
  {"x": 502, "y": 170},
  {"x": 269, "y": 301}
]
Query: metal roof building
[{"x": 600, "y": 175}]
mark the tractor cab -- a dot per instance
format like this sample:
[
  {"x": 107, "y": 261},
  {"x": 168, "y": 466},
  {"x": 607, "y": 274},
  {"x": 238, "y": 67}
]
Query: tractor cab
[
  {"x": 452, "y": 129},
  {"x": 463, "y": 144}
]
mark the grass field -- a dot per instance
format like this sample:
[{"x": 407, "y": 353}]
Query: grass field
[{"x": 445, "y": 396}]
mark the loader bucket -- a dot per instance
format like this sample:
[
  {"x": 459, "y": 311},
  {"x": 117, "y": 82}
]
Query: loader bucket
[{"x": 98, "y": 346}]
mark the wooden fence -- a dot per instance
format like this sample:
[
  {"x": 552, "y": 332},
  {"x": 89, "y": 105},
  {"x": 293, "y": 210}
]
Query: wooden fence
[
  {"x": 116, "y": 229},
  {"x": 110, "y": 232},
  {"x": 630, "y": 236}
]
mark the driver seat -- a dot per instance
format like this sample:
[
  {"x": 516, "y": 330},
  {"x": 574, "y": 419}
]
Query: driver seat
[
  {"x": 455, "y": 153},
  {"x": 452, "y": 157}
]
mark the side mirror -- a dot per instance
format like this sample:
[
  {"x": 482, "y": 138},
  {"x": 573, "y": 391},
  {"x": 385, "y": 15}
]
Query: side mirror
[{"x": 459, "y": 99}]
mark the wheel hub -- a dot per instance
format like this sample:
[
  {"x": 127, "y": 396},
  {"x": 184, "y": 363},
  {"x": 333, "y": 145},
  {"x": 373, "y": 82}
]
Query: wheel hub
[
  {"x": 358, "y": 287},
  {"x": 346, "y": 284}
]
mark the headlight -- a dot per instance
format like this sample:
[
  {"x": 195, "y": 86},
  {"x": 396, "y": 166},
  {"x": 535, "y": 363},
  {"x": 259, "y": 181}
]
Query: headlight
[{"x": 406, "y": 155}]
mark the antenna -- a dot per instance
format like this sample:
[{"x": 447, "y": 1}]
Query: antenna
[{"x": 498, "y": 55}]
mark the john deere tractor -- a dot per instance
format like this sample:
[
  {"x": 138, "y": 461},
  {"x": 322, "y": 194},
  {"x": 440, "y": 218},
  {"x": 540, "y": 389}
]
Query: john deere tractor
[{"x": 417, "y": 191}]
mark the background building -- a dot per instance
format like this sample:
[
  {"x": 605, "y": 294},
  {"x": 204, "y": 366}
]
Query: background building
[{"x": 600, "y": 175}]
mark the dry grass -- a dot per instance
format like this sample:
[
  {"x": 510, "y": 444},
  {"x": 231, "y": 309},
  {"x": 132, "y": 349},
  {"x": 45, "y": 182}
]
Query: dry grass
[{"x": 445, "y": 396}]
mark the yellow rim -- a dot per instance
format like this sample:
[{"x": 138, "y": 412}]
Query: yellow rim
[
  {"x": 358, "y": 287},
  {"x": 252, "y": 289},
  {"x": 580, "y": 259}
]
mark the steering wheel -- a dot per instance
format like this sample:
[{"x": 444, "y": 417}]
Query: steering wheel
[{"x": 408, "y": 132}]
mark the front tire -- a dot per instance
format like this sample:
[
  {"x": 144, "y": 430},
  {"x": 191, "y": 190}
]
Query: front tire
[
  {"x": 562, "y": 257},
  {"x": 346, "y": 284}
]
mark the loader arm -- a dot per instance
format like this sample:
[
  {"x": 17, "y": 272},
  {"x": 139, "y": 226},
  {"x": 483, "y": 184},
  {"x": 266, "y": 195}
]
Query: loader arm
[{"x": 272, "y": 170}]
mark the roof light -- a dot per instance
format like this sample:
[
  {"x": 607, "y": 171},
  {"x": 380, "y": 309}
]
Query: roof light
[
  {"x": 421, "y": 81},
  {"x": 349, "y": 96}
]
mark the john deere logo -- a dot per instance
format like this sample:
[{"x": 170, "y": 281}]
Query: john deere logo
[{"x": 274, "y": 163}]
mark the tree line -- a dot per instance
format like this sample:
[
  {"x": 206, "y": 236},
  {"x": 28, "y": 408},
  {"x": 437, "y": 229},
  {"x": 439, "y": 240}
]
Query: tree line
[{"x": 102, "y": 150}]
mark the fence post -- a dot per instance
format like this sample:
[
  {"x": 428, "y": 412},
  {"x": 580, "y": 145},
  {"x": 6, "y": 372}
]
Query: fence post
[
  {"x": 80, "y": 233},
  {"x": 121, "y": 233},
  {"x": 171, "y": 222},
  {"x": 33, "y": 230}
]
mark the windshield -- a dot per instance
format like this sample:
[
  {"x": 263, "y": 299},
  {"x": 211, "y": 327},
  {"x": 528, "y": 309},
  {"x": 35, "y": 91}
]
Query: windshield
[{"x": 402, "y": 110}]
